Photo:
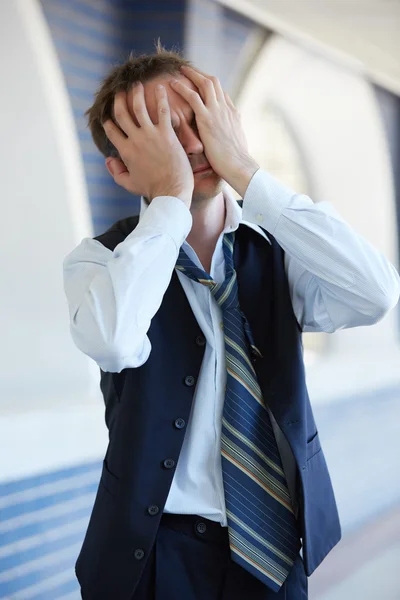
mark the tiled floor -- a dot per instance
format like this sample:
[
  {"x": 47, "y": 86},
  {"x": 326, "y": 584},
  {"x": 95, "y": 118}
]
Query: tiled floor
[{"x": 43, "y": 519}]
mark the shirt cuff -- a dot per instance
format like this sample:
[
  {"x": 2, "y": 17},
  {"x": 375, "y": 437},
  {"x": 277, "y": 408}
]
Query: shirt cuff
[
  {"x": 168, "y": 215},
  {"x": 265, "y": 200}
]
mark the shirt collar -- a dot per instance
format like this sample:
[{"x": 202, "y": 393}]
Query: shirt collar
[{"x": 233, "y": 214}]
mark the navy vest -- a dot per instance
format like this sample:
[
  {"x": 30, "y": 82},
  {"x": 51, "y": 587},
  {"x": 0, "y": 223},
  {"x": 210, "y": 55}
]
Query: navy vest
[{"x": 147, "y": 409}]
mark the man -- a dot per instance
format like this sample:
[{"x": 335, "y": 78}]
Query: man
[{"x": 214, "y": 485}]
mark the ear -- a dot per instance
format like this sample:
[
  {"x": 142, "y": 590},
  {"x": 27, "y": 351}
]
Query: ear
[
  {"x": 118, "y": 172},
  {"x": 115, "y": 166}
]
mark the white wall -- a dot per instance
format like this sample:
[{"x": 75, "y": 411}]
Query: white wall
[{"x": 46, "y": 384}]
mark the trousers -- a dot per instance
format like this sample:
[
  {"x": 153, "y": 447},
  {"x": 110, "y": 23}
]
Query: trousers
[{"x": 190, "y": 560}]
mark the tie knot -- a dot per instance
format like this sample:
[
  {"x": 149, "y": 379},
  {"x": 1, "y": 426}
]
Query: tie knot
[{"x": 225, "y": 293}]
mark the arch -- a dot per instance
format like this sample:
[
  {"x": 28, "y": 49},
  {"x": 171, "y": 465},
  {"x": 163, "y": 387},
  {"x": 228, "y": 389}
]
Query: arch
[{"x": 335, "y": 120}]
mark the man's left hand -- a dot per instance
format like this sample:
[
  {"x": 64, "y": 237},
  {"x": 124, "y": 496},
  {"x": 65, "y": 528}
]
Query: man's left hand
[{"x": 220, "y": 129}]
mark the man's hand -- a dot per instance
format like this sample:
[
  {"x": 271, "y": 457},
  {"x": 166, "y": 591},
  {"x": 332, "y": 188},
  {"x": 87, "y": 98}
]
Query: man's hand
[
  {"x": 220, "y": 129},
  {"x": 154, "y": 162}
]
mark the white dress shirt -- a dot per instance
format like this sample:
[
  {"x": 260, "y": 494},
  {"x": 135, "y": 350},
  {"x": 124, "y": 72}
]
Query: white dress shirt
[{"x": 337, "y": 279}]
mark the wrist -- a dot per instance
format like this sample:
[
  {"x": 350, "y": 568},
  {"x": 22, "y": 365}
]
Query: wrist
[
  {"x": 169, "y": 215},
  {"x": 186, "y": 197},
  {"x": 240, "y": 176}
]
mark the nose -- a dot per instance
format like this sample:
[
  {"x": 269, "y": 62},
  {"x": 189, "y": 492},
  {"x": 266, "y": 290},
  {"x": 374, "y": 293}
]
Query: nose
[{"x": 190, "y": 141}]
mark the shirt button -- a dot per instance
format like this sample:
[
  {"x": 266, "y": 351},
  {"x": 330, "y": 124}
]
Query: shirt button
[
  {"x": 201, "y": 527},
  {"x": 221, "y": 325},
  {"x": 138, "y": 554},
  {"x": 200, "y": 340},
  {"x": 190, "y": 380},
  {"x": 153, "y": 509},
  {"x": 179, "y": 423},
  {"x": 169, "y": 463},
  {"x": 259, "y": 218}
]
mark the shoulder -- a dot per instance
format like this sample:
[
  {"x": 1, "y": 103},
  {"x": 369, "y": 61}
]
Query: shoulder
[{"x": 117, "y": 232}]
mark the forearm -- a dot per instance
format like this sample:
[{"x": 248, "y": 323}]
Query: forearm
[
  {"x": 113, "y": 296},
  {"x": 331, "y": 268}
]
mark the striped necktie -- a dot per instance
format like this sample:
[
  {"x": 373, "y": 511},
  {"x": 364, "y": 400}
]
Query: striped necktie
[{"x": 263, "y": 532}]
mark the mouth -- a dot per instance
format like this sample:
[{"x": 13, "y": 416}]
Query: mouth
[{"x": 202, "y": 170}]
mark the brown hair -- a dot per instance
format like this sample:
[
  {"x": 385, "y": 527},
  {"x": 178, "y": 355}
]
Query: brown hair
[{"x": 143, "y": 67}]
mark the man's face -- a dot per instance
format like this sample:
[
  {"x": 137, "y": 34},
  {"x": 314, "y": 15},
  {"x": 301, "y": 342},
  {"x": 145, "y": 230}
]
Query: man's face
[{"x": 206, "y": 185}]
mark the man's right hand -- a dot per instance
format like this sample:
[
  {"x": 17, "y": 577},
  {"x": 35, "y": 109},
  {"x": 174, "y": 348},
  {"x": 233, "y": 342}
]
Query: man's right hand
[{"x": 154, "y": 162}]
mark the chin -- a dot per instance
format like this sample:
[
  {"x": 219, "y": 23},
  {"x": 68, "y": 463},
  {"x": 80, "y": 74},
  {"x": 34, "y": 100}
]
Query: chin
[
  {"x": 209, "y": 180},
  {"x": 207, "y": 188}
]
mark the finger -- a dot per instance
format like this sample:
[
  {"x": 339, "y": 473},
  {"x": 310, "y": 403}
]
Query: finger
[
  {"x": 193, "y": 70},
  {"x": 139, "y": 106},
  {"x": 192, "y": 97},
  {"x": 122, "y": 116},
  {"x": 164, "y": 112},
  {"x": 115, "y": 135},
  {"x": 200, "y": 78},
  {"x": 228, "y": 100},
  {"x": 204, "y": 85}
]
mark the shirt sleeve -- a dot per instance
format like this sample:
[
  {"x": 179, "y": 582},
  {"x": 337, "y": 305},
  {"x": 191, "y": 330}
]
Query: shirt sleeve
[
  {"x": 112, "y": 296},
  {"x": 337, "y": 279}
]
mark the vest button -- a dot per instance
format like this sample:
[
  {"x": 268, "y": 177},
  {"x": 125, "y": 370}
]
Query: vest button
[
  {"x": 201, "y": 527},
  {"x": 190, "y": 380},
  {"x": 138, "y": 554},
  {"x": 200, "y": 340},
  {"x": 169, "y": 463},
  {"x": 179, "y": 423},
  {"x": 153, "y": 509}
]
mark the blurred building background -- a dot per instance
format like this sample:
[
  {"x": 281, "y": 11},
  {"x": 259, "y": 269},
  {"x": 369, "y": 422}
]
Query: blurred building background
[{"x": 318, "y": 86}]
